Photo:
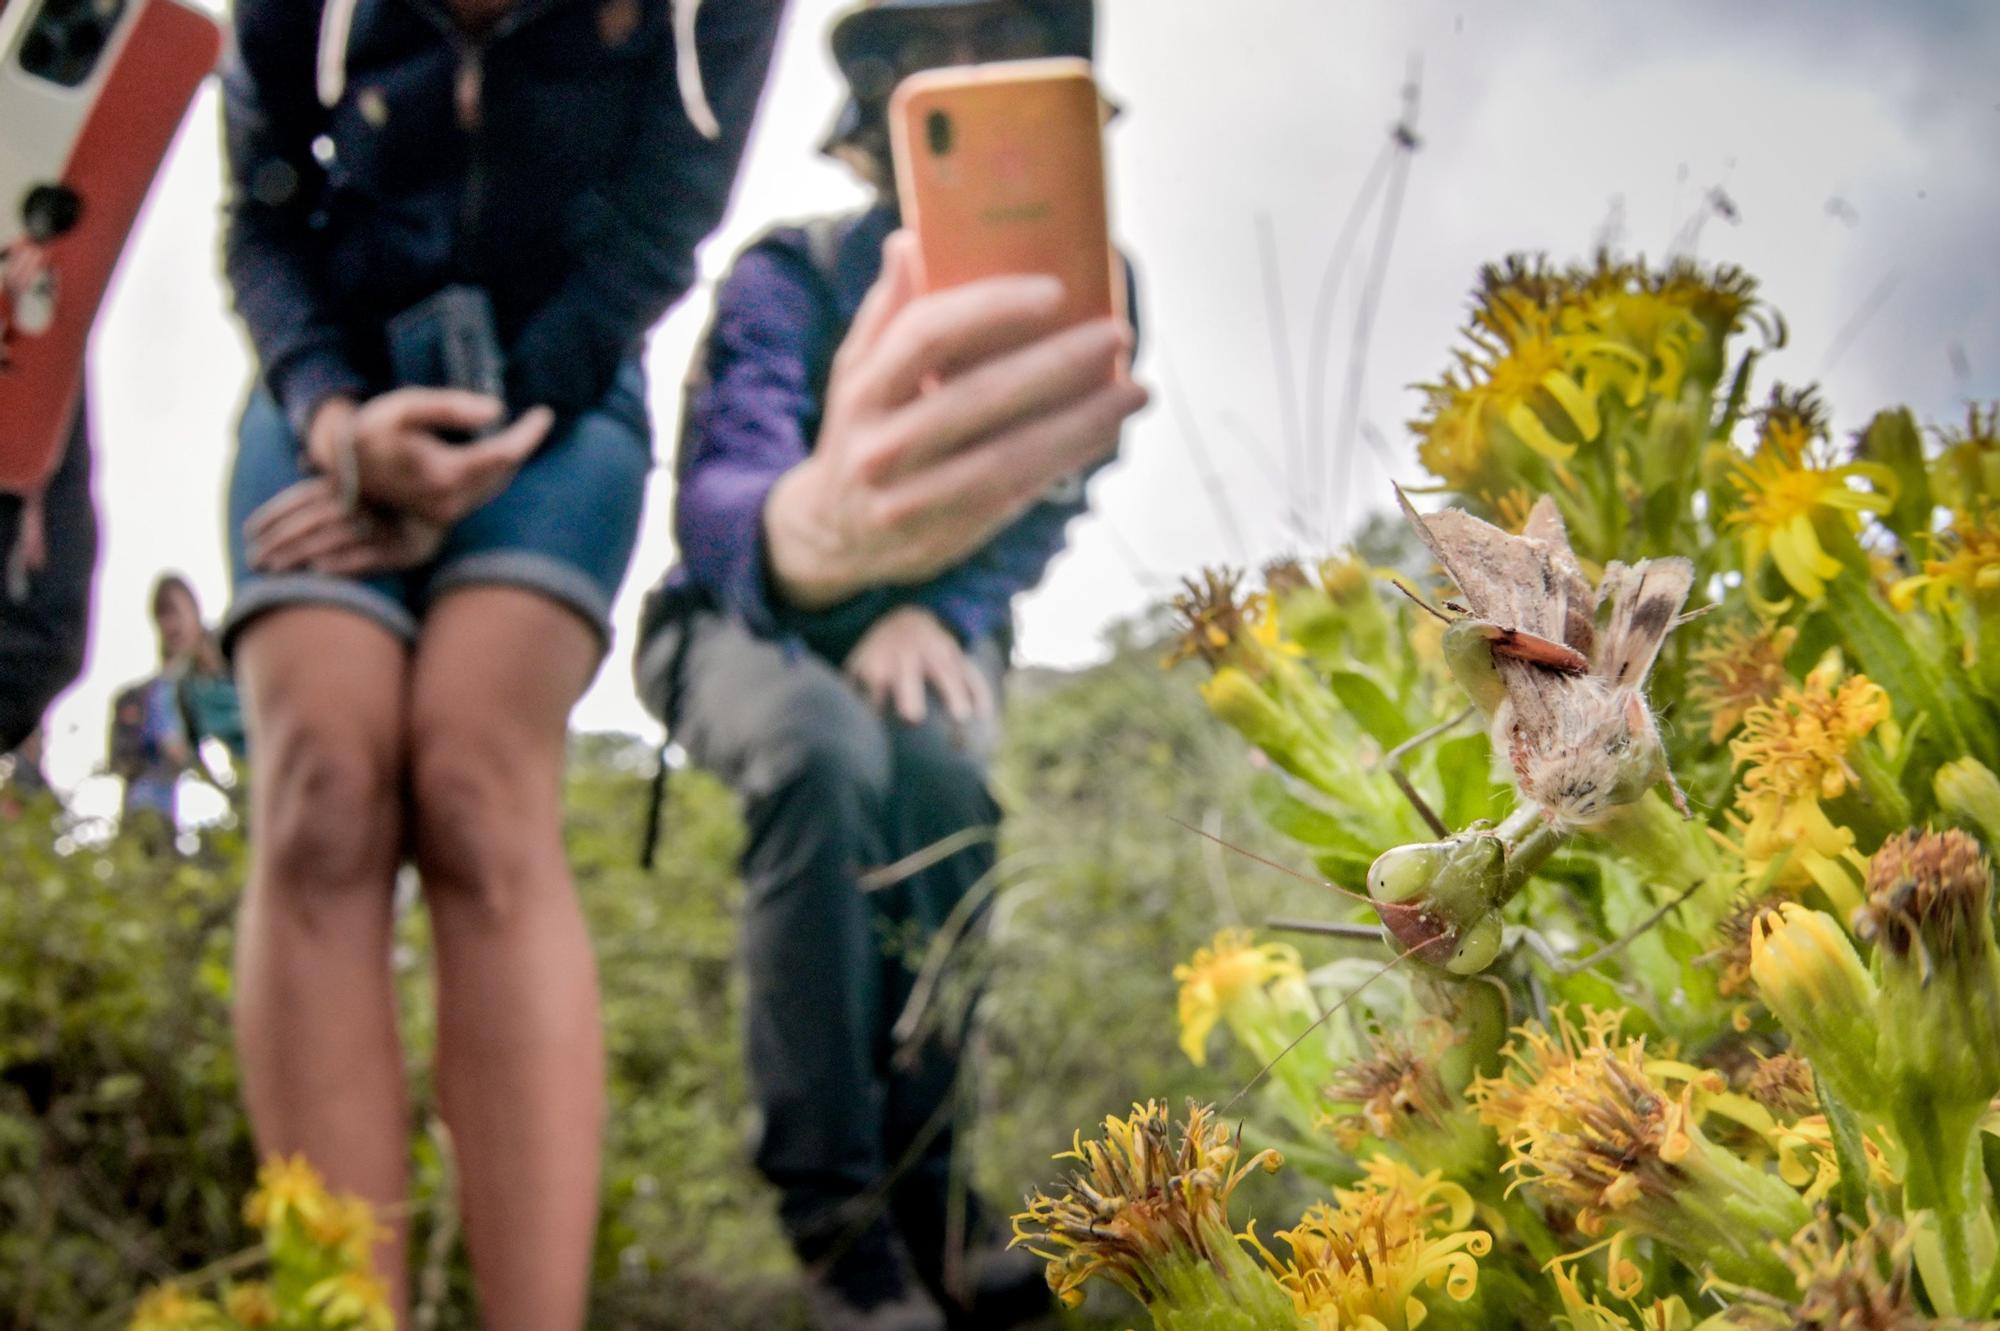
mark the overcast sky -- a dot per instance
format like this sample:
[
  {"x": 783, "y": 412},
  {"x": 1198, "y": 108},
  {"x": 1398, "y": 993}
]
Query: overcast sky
[{"x": 1857, "y": 143}]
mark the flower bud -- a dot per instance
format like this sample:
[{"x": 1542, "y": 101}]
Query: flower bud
[
  {"x": 1930, "y": 911},
  {"x": 1814, "y": 983},
  {"x": 1968, "y": 789}
]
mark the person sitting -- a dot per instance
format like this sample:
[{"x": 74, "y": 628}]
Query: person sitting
[
  {"x": 417, "y": 609},
  {"x": 833, "y": 648}
]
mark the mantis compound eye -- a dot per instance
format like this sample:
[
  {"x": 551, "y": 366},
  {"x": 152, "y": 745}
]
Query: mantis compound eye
[{"x": 1477, "y": 946}]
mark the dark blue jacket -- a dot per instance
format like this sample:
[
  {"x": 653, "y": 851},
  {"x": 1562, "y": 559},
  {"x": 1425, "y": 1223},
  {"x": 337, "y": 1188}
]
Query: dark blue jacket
[
  {"x": 551, "y": 161},
  {"x": 753, "y": 413}
]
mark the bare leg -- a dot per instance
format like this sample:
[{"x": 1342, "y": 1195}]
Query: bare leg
[
  {"x": 520, "y": 1053},
  {"x": 315, "y": 1009}
]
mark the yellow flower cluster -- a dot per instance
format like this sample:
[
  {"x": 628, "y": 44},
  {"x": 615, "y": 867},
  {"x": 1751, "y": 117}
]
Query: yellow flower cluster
[
  {"x": 1736, "y": 669},
  {"x": 1141, "y": 1208},
  {"x": 319, "y": 1245},
  {"x": 1967, "y": 561},
  {"x": 1549, "y": 350},
  {"x": 1229, "y": 975},
  {"x": 1363, "y": 1263},
  {"x": 1584, "y": 1120},
  {"x": 1795, "y": 498},
  {"x": 1796, "y": 749}
]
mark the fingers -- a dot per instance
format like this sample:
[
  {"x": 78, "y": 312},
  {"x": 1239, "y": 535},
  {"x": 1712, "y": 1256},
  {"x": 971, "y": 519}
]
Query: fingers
[
  {"x": 282, "y": 505},
  {"x": 470, "y": 474},
  {"x": 1045, "y": 375},
  {"x": 951, "y": 675},
  {"x": 983, "y": 704},
  {"x": 433, "y": 409},
  {"x": 973, "y": 493},
  {"x": 939, "y": 332},
  {"x": 287, "y": 542},
  {"x": 908, "y": 681}
]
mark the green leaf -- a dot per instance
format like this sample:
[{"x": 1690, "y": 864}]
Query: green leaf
[
  {"x": 1893, "y": 440},
  {"x": 1848, "y": 1153},
  {"x": 1465, "y": 772},
  {"x": 1291, "y": 815},
  {"x": 1371, "y": 707}
]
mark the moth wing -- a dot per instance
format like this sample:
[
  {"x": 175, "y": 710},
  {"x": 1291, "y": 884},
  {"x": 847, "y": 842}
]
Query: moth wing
[
  {"x": 1644, "y": 601},
  {"x": 1577, "y": 599},
  {"x": 1501, "y": 577}
]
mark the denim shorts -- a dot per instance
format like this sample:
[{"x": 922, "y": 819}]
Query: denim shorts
[{"x": 564, "y": 527}]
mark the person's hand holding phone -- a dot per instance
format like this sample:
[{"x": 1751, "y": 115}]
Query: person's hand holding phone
[
  {"x": 948, "y": 414},
  {"x": 408, "y": 482},
  {"x": 403, "y": 460}
]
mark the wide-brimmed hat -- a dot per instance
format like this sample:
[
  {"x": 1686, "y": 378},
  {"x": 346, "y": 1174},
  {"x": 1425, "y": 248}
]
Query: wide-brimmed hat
[{"x": 866, "y": 37}]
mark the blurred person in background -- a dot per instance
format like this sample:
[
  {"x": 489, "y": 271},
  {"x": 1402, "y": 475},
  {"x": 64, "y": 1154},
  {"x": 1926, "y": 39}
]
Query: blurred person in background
[
  {"x": 205, "y": 698},
  {"x": 423, "y": 575},
  {"x": 833, "y": 647}
]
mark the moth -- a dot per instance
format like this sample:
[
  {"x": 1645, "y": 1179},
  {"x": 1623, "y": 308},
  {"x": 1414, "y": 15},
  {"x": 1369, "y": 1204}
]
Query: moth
[{"x": 1565, "y": 698}]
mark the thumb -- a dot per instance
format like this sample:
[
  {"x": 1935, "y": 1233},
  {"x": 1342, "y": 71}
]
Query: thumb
[
  {"x": 491, "y": 461},
  {"x": 447, "y": 408}
]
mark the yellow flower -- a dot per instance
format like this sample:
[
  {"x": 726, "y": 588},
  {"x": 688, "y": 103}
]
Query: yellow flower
[
  {"x": 1968, "y": 562},
  {"x": 169, "y": 1308},
  {"x": 1145, "y": 1212},
  {"x": 1397, "y": 1089},
  {"x": 1966, "y": 476},
  {"x": 1809, "y": 1161},
  {"x": 1736, "y": 669},
  {"x": 346, "y": 1225},
  {"x": 352, "y": 1301},
  {"x": 1363, "y": 1263},
  {"x": 1796, "y": 749},
  {"x": 1229, "y": 975},
  {"x": 287, "y": 1186},
  {"x": 1211, "y": 613},
  {"x": 1589, "y": 1121},
  {"x": 1788, "y": 483},
  {"x": 1582, "y": 1314},
  {"x": 253, "y": 1305}
]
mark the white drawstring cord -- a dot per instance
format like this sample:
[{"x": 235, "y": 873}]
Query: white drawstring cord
[
  {"x": 687, "y": 67},
  {"x": 336, "y": 21}
]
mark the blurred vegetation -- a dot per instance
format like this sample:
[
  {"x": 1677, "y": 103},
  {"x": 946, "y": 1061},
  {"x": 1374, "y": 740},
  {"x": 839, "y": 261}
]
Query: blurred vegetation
[{"x": 124, "y": 1154}]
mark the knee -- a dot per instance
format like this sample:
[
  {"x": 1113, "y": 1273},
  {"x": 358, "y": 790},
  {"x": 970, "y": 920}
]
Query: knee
[
  {"x": 479, "y": 799},
  {"x": 830, "y": 752},
  {"x": 949, "y": 782},
  {"x": 327, "y": 809}
]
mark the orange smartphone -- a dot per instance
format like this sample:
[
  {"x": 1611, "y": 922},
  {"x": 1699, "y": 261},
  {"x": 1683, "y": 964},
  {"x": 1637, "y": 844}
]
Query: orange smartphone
[
  {"x": 91, "y": 92},
  {"x": 1001, "y": 171}
]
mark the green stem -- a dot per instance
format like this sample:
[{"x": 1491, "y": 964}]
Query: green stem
[{"x": 1526, "y": 856}]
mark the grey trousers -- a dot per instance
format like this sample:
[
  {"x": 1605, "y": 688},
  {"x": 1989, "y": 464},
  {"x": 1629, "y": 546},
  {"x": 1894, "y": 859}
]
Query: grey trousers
[{"x": 831, "y": 789}]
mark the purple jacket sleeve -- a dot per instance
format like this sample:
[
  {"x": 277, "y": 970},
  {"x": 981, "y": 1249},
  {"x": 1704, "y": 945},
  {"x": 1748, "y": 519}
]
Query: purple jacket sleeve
[
  {"x": 633, "y": 242},
  {"x": 745, "y": 427},
  {"x": 270, "y": 115}
]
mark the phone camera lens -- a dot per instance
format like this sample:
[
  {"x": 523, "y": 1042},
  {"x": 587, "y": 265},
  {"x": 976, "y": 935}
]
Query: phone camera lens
[{"x": 937, "y": 128}]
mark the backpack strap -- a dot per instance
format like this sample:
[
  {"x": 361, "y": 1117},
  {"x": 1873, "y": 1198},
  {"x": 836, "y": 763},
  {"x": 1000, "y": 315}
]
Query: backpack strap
[{"x": 824, "y": 237}]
